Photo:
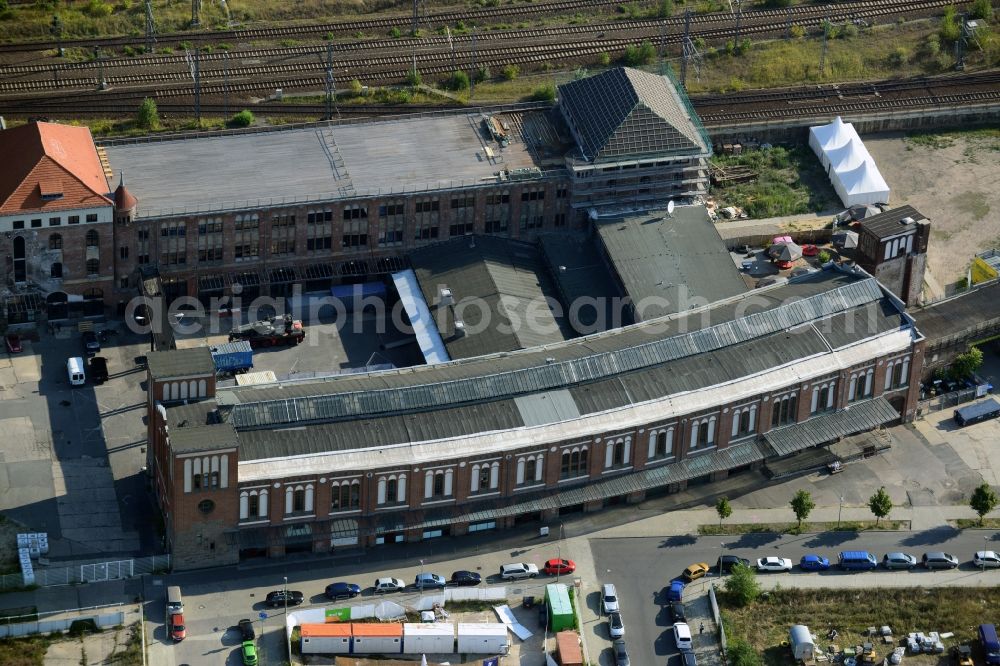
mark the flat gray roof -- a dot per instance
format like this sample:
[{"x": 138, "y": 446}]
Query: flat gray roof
[
  {"x": 310, "y": 164},
  {"x": 665, "y": 262},
  {"x": 180, "y": 363}
]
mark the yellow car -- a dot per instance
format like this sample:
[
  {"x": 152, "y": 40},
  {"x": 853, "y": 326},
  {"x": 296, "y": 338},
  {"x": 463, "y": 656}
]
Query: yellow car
[{"x": 696, "y": 571}]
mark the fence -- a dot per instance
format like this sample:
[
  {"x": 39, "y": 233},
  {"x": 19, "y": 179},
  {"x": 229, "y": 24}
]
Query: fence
[
  {"x": 804, "y": 237},
  {"x": 10, "y": 629},
  {"x": 717, "y": 617},
  {"x": 949, "y": 400},
  {"x": 46, "y": 576}
]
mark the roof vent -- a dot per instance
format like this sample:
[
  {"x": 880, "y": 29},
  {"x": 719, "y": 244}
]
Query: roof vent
[
  {"x": 459, "y": 328},
  {"x": 562, "y": 269},
  {"x": 906, "y": 220},
  {"x": 445, "y": 296}
]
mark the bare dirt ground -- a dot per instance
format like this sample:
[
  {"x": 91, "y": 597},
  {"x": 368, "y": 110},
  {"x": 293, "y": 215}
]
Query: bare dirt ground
[{"x": 954, "y": 179}]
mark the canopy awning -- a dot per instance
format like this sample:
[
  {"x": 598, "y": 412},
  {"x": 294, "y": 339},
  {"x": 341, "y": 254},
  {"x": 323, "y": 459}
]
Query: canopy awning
[
  {"x": 428, "y": 337},
  {"x": 855, "y": 418}
]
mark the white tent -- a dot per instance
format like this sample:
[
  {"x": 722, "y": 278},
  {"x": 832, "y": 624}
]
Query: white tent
[
  {"x": 861, "y": 185},
  {"x": 824, "y": 138},
  {"x": 849, "y": 156}
]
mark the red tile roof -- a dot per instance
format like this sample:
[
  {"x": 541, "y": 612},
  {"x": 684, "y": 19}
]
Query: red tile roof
[{"x": 50, "y": 158}]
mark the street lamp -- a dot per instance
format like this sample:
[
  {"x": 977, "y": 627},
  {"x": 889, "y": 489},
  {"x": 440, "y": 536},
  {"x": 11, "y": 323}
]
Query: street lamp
[
  {"x": 840, "y": 510},
  {"x": 986, "y": 540},
  {"x": 286, "y": 596}
]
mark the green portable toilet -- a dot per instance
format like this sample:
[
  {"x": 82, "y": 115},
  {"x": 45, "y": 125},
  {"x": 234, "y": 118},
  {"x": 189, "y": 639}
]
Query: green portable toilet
[{"x": 558, "y": 606}]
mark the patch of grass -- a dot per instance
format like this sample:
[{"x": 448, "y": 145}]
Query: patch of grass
[
  {"x": 24, "y": 651},
  {"x": 715, "y": 529},
  {"x": 790, "y": 181},
  {"x": 973, "y": 523},
  {"x": 764, "y": 624},
  {"x": 973, "y": 204},
  {"x": 129, "y": 654}
]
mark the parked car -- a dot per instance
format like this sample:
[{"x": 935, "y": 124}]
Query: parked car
[
  {"x": 899, "y": 561},
  {"x": 676, "y": 590},
  {"x": 388, "y": 585},
  {"x": 177, "y": 630},
  {"x": 246, "y": 630},
  {"x": 987, "y": 559},
  {"x": 429, "y": 581},
  {"x": 727, "y": 562},
  {"x": 677, "y": 613},
  {"x": 518, "y": 570},
  {"x": 553, "y": 567},
  {"x": 621, "y": 654},
  {"x": 939, "y": 560},
  {"x": 688, "y": 658},
  {"x": 609, "y": 599},
  {"x": 695, "y": 571},
  {"x": 98, "y": 369},
  {"x": 961, "y": 655},
  {"x": 682, "y": 635},
  {"x": 91, "y": 345},
  {"x": 342, "y": 590},
  {"x": 774, "y": 564},
  {"x": 616, "y": 626},
  {"x": 463, "y": 578},
  {"x": 278, "y": 598},
  {"x": 13, "y": 342},
  {"x": 814, "y": 563},
  {"x": 249, "y": 652}
]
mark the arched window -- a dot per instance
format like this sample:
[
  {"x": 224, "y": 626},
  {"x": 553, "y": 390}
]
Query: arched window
[
  {"x": 55, "y": 242},
  {"x": 299, "y": 499},
  {"x": 438, "y": 485},
  {"x": 574, "y": 463},
  {"x": 310, "y": 495},
  {"x": 520, "y": 472},
  {"x": 56, "y": 270},
  {"x": 253, "y": 505},
  {"x": 244, "y": 505},
  {"x": 530, "y": 468},
  {"x": 355, "y": 496},
  {"x": 391, "y": 489},
  {"x": 196, "y": 479},
  {"x": 93, "y": 266},
  {"x": 382, "y": 490},
  {"x": 93, "y": 240},
  {"x": 263, "y": 503}
]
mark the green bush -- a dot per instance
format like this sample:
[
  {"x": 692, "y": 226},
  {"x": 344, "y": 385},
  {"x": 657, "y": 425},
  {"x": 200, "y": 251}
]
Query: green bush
[
  {"x": 899, "y": 57},
  {"x": 544, "y": 93},
  {"x": 510, "y": 72},
  {"x": 148, "y": 118},
  {"x": 604, "y": 59},
  {"x": 642, "y": 54},
  {"x": 482, "y": 74},
  {"x": 664, "y": 9},
  {"x": 355, "y": 87},
  {"x": 848, "y": 31},
  {"x": 741, "y": 653},
  {"x": 933, "y": 45},
  {"x": 413, "y": 77},
  {"x": 798, "y": 32},
  {"x": 950, "y": 29},
  {"x": 981, "y": 9},
  {"x": 97, "y": 9},
  {"x": 242, "y": 119},
  {"x": 742, "y": 586},
  {"x": 824, "y": 256},
  {"x": 395, "y": 33},
  {"x": 458, "y": 81}
]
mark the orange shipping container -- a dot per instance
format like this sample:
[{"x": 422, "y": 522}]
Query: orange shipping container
[
  {"x": 377, "y": 630},
  {"x": 568, "y": 646},
  {"x": 325, "y": 630}
]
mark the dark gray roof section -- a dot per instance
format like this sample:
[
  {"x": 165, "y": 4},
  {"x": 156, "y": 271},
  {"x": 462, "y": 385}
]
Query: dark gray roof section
[
  {"x": 670, "y": 264},
  {"x": 858, "y": 417},
  {"x": 888, "y": 223},
  {"x": 691, "y": 468},
  {"x": 180, "y": 363},
  {"x": 626, "y": 112},
  {"x": 583, "y": 278},
  {"x": 203, "y": 438},
  {"x": 257, "y": 411},
  {"x": 958, "y": 314},
  {"x": 499, "y": 279}
]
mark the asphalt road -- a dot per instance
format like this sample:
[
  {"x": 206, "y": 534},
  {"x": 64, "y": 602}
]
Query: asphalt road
[{"x": 642, "y": 568}]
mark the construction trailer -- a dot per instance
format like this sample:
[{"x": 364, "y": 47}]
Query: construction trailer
[
  {"x": 428, "y": 638},
  {"x": 377, "y": 638},
  {"x": 560, "y": 608},
  {"x": 332, "y": 638},
  {"x": 483, "y": 638}
]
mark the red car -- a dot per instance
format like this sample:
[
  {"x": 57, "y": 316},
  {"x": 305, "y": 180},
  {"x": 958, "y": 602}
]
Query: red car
[
  {"x": 809, "y": 250},
  {"x": 553, "y": 567},
  {"x": 784, "y": 265},
  {"x": 13, "y": 341},
  {"x": 177, "y": 629}
]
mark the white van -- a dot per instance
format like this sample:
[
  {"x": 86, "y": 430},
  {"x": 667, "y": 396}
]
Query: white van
[
  {"x": 175, "y": 604},
  {"x": 74, "y": 369}
]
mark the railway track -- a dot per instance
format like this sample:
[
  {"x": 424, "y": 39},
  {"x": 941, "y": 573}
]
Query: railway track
[
  {"x": 435, "y": 55},
  {"x": 743, "y": 108}
]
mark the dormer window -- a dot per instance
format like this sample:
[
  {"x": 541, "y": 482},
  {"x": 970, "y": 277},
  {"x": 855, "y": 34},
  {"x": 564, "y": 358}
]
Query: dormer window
[{"x": 50, "y": 189}]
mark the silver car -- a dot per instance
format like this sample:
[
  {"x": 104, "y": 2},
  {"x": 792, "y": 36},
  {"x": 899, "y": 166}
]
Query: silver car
[
  {"x": 616, "y": 627},
  {"x": 899, "y": 561},
  {"x": 939, "y": 560},
  {"x": 986, "y": 559}
]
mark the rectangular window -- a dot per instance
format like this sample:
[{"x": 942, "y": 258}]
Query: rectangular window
[
  {"x": 428, "y": 218},
  {"x": 355, "y": 233},
  {"x": 91, "y": 217},
  {"x": 355, "y": 212},
  {"x": 36, "y": 224},
  {"x": 319, "y": 233},
  {"x": 282, "y": 235},
  {"x": 74, "y": 219},
  {"x": 123, "y": 283},
  {"x": 19, "y": 224},
  {"x": 497, "y": 212},
  {"x": 246, "y": 239},
  {"x": 391, "y": 223},
  {"x": 123, "y": 252},
  {"x": 559, "y": 220},
  {"x": 55, "y": 221},
  {"x": 173, "y": 244},
  {"x": 390, "y": 209},
  {"x": 561, "y": 192}
]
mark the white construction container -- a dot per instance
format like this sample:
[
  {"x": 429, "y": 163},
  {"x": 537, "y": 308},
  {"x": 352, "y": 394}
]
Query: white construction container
[
  {"x": 428, "y": 638},
  {"x": 333, "y": 638},
  {"x": 483, "y": 638}
]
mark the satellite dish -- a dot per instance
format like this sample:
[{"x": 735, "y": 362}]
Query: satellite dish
[{"x": 670, "y": 208}]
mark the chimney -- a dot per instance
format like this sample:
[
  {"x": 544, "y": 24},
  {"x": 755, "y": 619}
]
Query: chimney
[
  {"x": 459, "y": 328},
  {"x": 445, "y": 297}
]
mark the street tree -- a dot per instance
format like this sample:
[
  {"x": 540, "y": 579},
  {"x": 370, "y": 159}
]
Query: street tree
[
  {"x": 802, "y": 504},
  {"x": 984, "y": 499},
  {"x": 880, "y": 503},
  {"x": 741, "y": 653},
  {"x": 742, "y": 586},
  {"x": 723, "y": 508}
]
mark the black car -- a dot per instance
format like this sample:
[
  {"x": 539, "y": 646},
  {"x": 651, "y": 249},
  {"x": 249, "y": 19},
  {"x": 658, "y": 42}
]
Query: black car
[
  {"x": 688, "y": 658},
  {"x": 462, "y": 578},
  {"x": 99, "y": 369},
  {"x": 246, "y": 630},
  {"x": 621, "y": 654},
  {"x": 727, "y": 562},
  {"x": 91, "y": 345},
  {"x": 278, "y": 598},
  {"x": 342, "y": 591},
  {"x": 677, "y": 611}
]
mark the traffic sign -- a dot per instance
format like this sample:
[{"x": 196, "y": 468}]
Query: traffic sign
[{"x": 262, "y": 615}]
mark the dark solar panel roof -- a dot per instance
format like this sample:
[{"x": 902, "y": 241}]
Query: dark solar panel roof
[
  {"x": 625, "y": 112},
  {"x": 888, "y": 224}
]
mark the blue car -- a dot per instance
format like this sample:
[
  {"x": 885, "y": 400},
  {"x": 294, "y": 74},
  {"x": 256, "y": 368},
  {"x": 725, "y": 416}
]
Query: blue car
[
  {"x": 814, "y": 563},
  {"x": 676, "y": 591},
  {"x": 342, "y": 591}
]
